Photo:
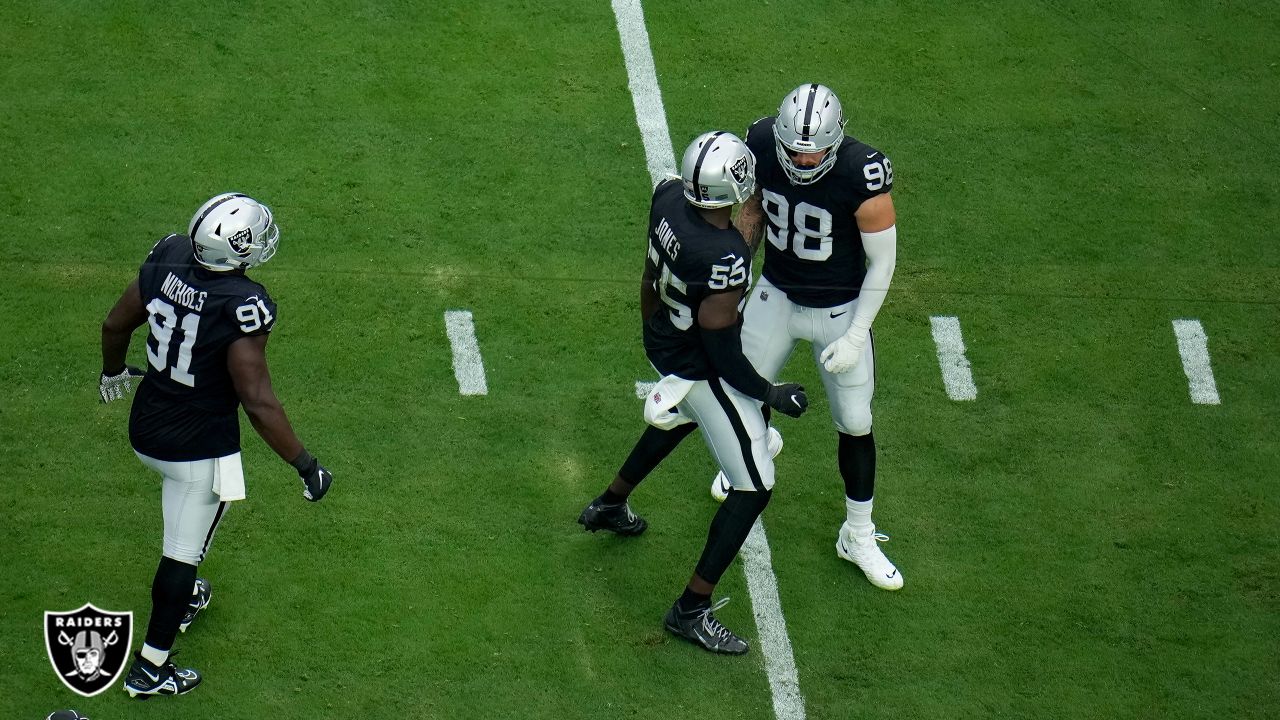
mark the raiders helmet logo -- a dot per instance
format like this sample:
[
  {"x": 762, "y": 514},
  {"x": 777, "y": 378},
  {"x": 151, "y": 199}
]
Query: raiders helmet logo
[
  {"x": 240, "y": 240},
  {"x": 88, "y": 647},
  {"x": 739, "y": 170}
]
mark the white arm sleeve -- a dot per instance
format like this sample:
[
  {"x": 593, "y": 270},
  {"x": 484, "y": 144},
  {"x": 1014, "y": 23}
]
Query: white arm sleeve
[{"x": 882, "y": 255}]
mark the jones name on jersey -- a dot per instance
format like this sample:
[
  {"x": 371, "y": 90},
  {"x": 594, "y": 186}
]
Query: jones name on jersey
[
  {"x": 690, "y": 259},
  {"x": 813, "y": 250}
]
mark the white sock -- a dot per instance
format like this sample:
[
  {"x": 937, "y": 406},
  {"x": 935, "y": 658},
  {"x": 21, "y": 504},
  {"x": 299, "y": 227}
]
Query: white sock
[
  {"x": 858, "y": 516},
  {"x": 154, "y": 656}
]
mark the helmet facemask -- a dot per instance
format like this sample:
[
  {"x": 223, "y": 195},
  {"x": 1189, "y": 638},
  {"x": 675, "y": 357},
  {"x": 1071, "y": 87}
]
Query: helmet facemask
[{"x": 810, "y": 120}]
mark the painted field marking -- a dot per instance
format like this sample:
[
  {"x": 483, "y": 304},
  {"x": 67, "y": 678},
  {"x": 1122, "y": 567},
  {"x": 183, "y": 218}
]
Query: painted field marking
[
  {"x": 468, "y": 366},
  {"x": 1193, "y": 346},
  {"x": 957, "y": 376},
  {"x": 643, "y": 387},
  {"x": 651, "y": 118},
  {"x": 642, "y": 79}
]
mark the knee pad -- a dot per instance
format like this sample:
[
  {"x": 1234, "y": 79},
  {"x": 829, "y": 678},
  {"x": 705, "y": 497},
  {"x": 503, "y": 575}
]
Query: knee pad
[{"x": 854, "y": 421}]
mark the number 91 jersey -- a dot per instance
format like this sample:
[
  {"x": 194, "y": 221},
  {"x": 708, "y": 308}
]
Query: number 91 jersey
[
  {"x": 186, "y": 406},
  {"x": 813, "y": 247}
]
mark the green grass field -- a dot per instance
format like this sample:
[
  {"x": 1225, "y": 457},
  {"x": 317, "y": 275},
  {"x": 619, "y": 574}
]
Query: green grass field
[{"x": 1079, "y": 542}]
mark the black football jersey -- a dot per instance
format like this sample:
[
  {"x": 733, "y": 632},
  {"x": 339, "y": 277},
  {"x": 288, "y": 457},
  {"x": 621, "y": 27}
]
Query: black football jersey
[
  {"x": 186, "y": 406},
  {"x": 813, "y": 250},
  {"x": 691, "y": 260}
]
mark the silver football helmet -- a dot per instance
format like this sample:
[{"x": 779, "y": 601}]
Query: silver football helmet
[
  {"x": 810, "y": 120},
  {"x": 232, "y": 232},
  {"x": 718, "y": 170}
]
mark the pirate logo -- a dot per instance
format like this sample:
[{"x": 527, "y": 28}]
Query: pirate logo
[
  {"x": 88, "y": 647},
  {"x": 240, "y": 241},
  {"x": 739, "y": 170}
]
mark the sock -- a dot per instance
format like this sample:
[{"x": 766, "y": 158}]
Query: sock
[
  {"x": 653, "y": 446},
  {"x": 729, "y": 529},
  {"x": 155, "y": 656},
  {"x": 610, "y": 497},
  {"x": 857, "y": 455},
  {"x": 690, "y": 601},
  {"x": 170, "y": 597},
  {"x": 858, "y": 516}
]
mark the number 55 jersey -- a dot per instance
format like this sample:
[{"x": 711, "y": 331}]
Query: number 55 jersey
[
  {"x": 690, "y": 259},
  {"x": 186, "y": 406},
  {"x": 813, "y": 251}
]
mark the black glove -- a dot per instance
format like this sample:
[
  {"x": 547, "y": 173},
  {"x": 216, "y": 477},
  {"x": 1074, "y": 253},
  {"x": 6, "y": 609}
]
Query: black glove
[
  {"x": 115, "y": 385},
  {"x": 315, "y": 479},
  {"x": 787, "y": 398}
]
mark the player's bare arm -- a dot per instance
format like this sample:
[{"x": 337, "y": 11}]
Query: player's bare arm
[
  {"x": 125, "y": 316},
  {"x": 750, "y": 221},
  {"x": 876, "y": 214},
  {"x": 247, "y": 363}
]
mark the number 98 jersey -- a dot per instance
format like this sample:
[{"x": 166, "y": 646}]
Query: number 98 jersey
[
  {"x": 690, "y": 259},
  {"x": 813, "y": 250},
  {"x": 186, "y": 406}
]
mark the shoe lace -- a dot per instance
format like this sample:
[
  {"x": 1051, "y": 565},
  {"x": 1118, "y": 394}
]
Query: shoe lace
[
  {"x": 880, "y": 537},
  {"x": 713, "y": 626}
]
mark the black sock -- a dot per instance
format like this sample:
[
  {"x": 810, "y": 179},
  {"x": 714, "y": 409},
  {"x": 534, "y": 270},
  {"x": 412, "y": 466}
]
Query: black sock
[
  {"x": 652, "y": 448},
  {"x": 170, "y": 596},
  {"x": 729, "y": 529},
  {"x": 690, "y": 601},
  {"x": 857, "y": 455},
  {"x": 609, "y": 497}
]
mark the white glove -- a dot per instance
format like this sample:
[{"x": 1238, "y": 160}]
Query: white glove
[
  {"x": 115, "y": 387},
  {"x": 844, "y": 354}
]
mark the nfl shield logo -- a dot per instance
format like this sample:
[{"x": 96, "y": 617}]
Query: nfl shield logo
[{"x": 88, "y": 647}]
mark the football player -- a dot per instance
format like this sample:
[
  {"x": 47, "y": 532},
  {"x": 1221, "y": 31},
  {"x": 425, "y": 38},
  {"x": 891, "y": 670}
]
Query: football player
[
  {"x": 824, "y": 206},
  {"x": 206, "y": 354},
  {"x": 696, "y": 272}
]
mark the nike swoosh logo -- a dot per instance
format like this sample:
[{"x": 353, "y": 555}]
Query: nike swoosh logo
[
  {"x": 836, "y": 315},
  {"x": 794, "y": 400},
  {"x": 890, "y": 575},
  {"x": 150, "y": 676},
  {"x": 730, "y": 256},
  {"x": 872, "y": 155}
]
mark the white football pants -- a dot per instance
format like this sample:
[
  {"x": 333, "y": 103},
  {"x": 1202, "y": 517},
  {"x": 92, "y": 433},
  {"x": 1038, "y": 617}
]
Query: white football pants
[
  {"x": 771, "y": 327},
  {"x": 191, "y": 509},
  {"x": 734, "y": 431}
]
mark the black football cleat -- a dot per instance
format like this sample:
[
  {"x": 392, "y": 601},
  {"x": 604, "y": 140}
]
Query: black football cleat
[
  {"x": 701, "y": 628},
  {"x": 145, "y": 679},
  {"x": 614, "y": 518},
  {"x": 199, "y": 601}
]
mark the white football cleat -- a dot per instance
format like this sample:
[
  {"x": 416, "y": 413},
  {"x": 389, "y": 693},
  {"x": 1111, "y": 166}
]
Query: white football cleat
[
  {"x": 720, "y": 485},
  {"x": 864, "y": 551}
]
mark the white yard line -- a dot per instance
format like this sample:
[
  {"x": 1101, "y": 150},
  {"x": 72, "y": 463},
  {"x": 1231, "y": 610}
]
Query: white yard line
[
  {"x": 956, "y": 373},
  {"x": 779, "y": 662},
  {"x": 1193, "y": 346},
  {"x": 645, "y": 95},
  {"x": 651, "y": 118},
  {"x": 643, "y": 387},
  {"x": 468, "y": 366}
]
